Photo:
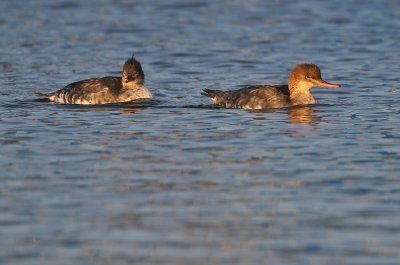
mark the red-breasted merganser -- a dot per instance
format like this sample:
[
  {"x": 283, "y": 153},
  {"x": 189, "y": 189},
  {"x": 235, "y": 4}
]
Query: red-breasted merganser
[
  {"x": 104, "y": 90},
  {"x": 298, "y": 92}
]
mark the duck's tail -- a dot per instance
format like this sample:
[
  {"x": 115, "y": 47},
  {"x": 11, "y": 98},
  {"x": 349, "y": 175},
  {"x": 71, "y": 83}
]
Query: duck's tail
[
  {"x": 211, "y": 93},
  {"x": 41, "y": 94}
]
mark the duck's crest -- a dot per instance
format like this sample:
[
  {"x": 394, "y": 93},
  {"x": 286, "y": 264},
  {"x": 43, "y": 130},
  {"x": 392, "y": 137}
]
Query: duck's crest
[{"x": 132, "y": 71}]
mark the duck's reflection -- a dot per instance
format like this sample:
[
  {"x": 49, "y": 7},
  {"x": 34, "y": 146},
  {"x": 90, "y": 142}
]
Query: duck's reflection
[
  {"x": 295, "y": 115},
  {"x": 304, "y": 114},
  {"x": 127, "y": 110}
]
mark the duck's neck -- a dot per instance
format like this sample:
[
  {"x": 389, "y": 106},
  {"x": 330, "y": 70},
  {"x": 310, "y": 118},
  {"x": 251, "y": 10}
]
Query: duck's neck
[
  {"x": 300, "y": 94},
  {"x": 129, "y": 86}
]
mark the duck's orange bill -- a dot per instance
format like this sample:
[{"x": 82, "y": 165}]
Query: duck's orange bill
[{"x": 321, "y": 82}]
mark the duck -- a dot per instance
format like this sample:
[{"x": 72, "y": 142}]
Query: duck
[
  {"x": 297, "y": 92},
  {"x": 104, "y": 90}
]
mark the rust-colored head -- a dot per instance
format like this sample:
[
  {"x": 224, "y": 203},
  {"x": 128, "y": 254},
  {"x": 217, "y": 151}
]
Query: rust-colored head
[
  {"x": 306, "y": 76},
  {"x": 132, "y": 72}
]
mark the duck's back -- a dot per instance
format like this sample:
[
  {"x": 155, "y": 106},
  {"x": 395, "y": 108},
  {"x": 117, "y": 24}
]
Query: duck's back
[
  {"x": 90, "y": 91},
  {"x": 254, "y": 97}
]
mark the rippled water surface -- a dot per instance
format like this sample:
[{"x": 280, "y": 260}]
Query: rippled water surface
[{"x": 177, "y": 180}]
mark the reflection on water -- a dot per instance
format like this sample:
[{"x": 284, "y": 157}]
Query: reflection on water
[
  {"x": 131, "y": 110},
  {"x": 303, "y": 114},
  {"x": 296, "y": 115}
]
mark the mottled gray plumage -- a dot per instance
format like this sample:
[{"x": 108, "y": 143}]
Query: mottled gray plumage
[
  {"x": 253, "y": 97},
  {"x": 109, "y": 89}
]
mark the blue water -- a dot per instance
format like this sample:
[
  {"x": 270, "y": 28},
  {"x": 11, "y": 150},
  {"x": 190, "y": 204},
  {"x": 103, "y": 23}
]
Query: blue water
[{"x": 177, "y": 180}]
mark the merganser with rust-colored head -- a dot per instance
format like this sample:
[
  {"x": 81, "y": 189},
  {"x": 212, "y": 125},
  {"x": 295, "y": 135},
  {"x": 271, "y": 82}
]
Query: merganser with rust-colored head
[
  {"x": 298, "y": 92},
  {"x": 104, "y": 90}
]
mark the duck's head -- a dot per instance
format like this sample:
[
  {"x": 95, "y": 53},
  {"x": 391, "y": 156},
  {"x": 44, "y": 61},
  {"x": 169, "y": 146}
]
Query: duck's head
[
  {"x": 132, "y": 73},
  {"x": 306, "y": 76}
]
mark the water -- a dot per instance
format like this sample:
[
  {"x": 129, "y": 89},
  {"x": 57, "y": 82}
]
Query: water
[{"x": 177, "y": 180}]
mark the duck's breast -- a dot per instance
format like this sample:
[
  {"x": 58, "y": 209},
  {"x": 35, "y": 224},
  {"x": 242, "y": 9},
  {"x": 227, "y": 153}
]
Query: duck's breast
[{"x": 134, "y": 93}]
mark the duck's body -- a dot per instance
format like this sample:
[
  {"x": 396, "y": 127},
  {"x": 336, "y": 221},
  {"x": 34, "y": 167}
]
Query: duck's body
[
  {"x": 302, "y": 78},
  {"x": 105, "y": 90},
  {"x": 252, "y": 97}
]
